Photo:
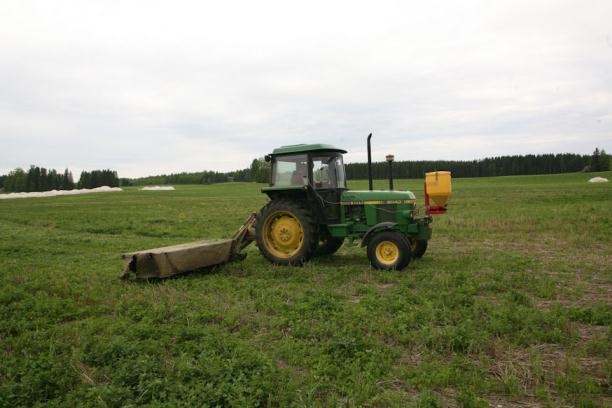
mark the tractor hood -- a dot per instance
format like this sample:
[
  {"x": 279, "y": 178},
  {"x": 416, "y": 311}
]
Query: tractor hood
[{"x": 377, "y": 197}]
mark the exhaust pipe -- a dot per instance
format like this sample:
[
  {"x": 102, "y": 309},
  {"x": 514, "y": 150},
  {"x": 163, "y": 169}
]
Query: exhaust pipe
[{"x": 370, "y": 163}]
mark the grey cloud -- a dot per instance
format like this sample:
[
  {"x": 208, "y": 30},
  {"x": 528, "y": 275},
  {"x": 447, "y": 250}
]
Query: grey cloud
[{"x": 152, "y": 87}]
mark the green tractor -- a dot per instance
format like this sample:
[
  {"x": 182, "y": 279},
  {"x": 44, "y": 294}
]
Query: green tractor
[{"x": 311, "y": 211}]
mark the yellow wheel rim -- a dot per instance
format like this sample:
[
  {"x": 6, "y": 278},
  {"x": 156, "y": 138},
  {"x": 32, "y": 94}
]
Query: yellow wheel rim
[
  {"x": 283, "y": 234},
  {"x": 387, "y": 252}
]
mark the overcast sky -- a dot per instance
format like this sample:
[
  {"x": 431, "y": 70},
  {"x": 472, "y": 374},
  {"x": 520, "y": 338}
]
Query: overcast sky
[{"x": 147, "y": 87}]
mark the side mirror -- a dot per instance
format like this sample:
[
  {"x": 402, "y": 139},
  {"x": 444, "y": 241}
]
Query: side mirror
[{"x": 267, "y": 158}]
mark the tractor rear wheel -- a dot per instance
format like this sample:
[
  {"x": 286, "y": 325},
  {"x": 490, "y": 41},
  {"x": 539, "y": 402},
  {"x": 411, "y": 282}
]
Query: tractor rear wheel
[
  {"x": 286, "y": 232},
  {"x": 389, "y": 250},
  {"x": 418, "y": 247},
  {"x": 329, "y": 245}
]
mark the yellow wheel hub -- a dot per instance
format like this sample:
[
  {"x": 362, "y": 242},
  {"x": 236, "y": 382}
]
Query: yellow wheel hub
[
  {"x": 283, "y": 234},
  {"x": 387, "y": 252}
]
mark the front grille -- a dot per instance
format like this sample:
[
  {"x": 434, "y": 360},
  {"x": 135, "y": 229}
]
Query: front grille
[{"x": 386, "y": 212}]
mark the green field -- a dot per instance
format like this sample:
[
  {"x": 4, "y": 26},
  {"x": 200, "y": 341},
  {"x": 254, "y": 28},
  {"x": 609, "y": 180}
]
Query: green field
[{"x": 511, "y": 305}]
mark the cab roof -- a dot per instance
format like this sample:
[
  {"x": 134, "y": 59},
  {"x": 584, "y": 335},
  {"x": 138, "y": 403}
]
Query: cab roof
[{"x": 304, "y": 148}]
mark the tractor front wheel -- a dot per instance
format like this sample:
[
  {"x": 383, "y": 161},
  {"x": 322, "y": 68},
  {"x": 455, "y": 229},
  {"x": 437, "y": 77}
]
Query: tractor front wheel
[
  {"x": 286, "y": 232},
  {"x": 389, "y": 250}
]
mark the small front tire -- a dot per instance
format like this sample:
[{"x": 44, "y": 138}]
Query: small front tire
[{"x": 389, "y": 250}]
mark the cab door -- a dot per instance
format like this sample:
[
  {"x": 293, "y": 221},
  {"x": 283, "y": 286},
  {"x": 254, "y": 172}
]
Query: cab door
[{"x": 327, "y": 178}]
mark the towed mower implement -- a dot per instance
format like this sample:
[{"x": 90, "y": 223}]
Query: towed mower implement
[
  {"x": 176, "y": 259},
  {"x": 311, "y": 213}
]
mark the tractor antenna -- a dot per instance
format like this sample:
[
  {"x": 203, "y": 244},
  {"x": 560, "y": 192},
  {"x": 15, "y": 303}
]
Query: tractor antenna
[{"x": 370, "y": 163}]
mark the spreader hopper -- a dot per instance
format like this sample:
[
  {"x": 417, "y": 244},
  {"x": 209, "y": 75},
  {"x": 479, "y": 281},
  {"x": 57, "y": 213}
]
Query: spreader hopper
[{"x": 438, "y": 186}]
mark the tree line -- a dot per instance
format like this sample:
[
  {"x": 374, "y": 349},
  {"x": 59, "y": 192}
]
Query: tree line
[
  {"x": 98, "y": 178},
  {"x": 42, "y": 179},
  {"x": 489, "y": 167},
  {"x": 37, "y": 179},
  {"x": 600, "y": 161},
  {"x": 259, "y": 172}
]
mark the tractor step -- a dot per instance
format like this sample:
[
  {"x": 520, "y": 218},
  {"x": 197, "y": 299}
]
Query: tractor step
[{"x": 176, "y": 259}]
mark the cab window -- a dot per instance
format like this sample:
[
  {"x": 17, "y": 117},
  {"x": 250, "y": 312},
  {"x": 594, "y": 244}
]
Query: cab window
[
  {"x": 290, "y": 170},
  {"x": 328, "y": 172}
]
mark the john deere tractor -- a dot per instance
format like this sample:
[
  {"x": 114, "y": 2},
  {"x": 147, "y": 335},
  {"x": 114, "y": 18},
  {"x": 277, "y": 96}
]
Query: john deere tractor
[{"x": 311, "y": 211}]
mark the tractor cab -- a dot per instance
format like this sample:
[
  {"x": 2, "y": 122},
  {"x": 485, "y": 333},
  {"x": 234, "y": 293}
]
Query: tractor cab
[
  {"x": 314, "y": 172},
  {"x": 319, "y": 166}
]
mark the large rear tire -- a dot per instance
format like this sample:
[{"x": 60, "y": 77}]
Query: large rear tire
[
  {"x": 389, "y": 250},
  {"x": 329, "y": 245},
  {"x": 286, "y": 232}
]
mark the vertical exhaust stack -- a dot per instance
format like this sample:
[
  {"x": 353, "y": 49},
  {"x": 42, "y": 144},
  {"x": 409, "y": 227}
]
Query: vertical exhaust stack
[{"x": 370, "y": 163}]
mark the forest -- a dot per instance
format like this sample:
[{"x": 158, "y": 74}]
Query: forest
[
  {"x": 259, "y": 171},
  {"x": 41, "y": 179},
  {"x": 489, "y": 167}
]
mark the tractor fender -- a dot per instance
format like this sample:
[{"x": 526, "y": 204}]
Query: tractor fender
[{"x": 381, "y": 226}]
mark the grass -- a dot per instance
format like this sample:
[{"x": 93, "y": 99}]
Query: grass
[{"x": 511, "y": 305}]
